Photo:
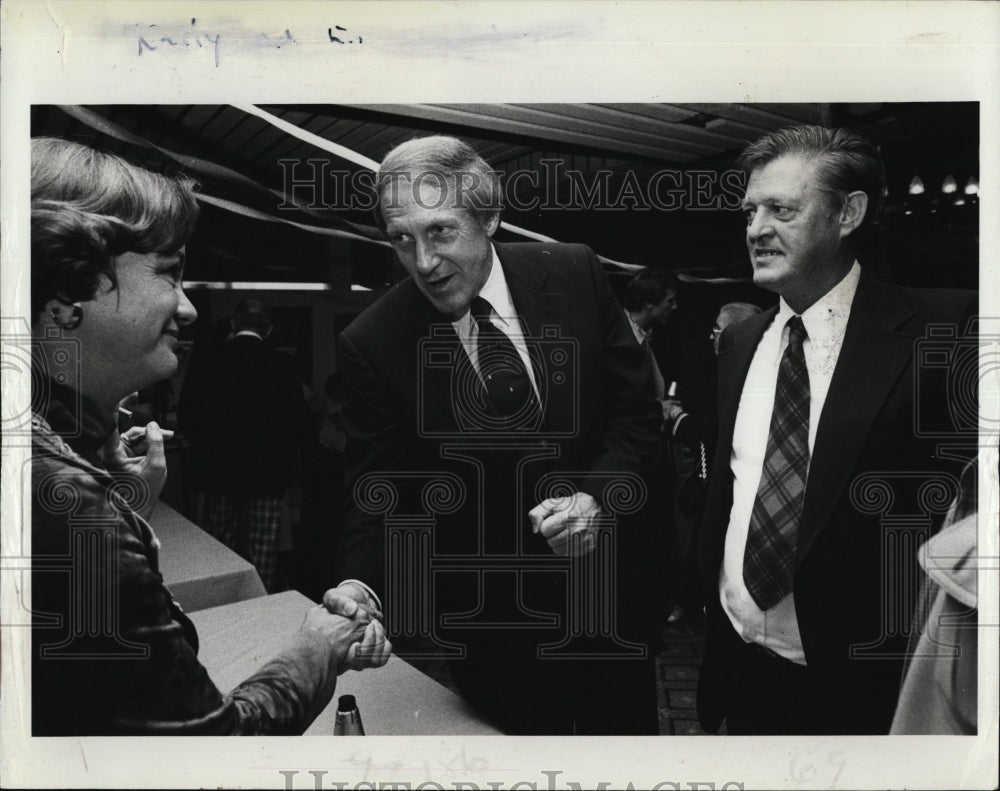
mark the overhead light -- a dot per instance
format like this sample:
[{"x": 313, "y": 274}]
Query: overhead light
[
  {"x": 916, "y": 186},
  {"x": 253, "y": 285},
  {"x": 948, "y": 186},
  {"x": 959, "y": 201},
  {"x": 972, "y": 186}
]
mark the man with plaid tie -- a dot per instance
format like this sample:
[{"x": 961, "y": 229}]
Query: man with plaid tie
[{"x": 816, "y": 396}]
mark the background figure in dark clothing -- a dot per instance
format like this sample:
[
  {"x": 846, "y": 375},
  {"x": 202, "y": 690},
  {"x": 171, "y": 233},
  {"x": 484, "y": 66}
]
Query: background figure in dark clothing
[
  {"x": 323, "y": 492},
  {"x": 698, "y": 433},
  {"x": 708, "y": 409},
  {"x": 243, "y": 411},
  {"x": 731, "y": 313},
  {"x": 650, "y": 299}
]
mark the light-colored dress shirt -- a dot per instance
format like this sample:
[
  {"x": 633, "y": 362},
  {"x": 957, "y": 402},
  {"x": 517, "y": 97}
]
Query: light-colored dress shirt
[
  {"x": 825, "y": 322},
  {"x": 504, "y": 317}
]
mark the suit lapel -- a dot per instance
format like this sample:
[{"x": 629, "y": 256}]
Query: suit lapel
[
  {"x": 526, "y": 281},
  {"x": 536, "y": 309},
  {"x": 874, "y": 354},
  {"x": 434, "y": 378}
]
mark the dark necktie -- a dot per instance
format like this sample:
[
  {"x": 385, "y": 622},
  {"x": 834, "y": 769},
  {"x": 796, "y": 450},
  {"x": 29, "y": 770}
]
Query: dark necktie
[
  {"x": 503, "y": 371},
  {"x": 769, "y": 560}
]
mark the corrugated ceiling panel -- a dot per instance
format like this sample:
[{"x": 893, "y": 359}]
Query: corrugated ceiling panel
[
  {"x": 741, "y": 113},
  {"x": 735, "y": 129},
  {"x": 557, "y": 125},
  {"x": 250, "y": 137},
  {"x": 613, "y": 123},
  {"x": 518, "y": 121},
  {"x": 663, "y": 112},
  {"x": 224, "y": 124},
  {"x": 469, "y": 116},
  {"x": 800, "y": 113}
]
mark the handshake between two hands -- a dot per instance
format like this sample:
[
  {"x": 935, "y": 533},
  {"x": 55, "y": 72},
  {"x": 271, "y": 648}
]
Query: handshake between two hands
[
  {"x": 358, "y": 635},
  {"x": 567, "y": 523}
]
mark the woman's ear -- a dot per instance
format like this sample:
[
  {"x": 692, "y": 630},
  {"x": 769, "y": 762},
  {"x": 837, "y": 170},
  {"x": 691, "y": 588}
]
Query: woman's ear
[{"x": 63, "y": 314}]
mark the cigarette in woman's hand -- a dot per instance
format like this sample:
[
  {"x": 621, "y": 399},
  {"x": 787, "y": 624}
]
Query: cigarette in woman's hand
[{"x": 135, "y": 435}]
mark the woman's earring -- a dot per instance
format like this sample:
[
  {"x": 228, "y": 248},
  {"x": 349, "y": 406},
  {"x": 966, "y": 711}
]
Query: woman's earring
[{"x": 73, "y": 322}]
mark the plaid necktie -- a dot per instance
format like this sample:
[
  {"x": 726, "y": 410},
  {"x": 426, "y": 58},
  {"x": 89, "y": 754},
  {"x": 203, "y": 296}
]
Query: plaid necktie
[
  {"x": 503, "y": 371},
  {"x": 769, "y": 560}
]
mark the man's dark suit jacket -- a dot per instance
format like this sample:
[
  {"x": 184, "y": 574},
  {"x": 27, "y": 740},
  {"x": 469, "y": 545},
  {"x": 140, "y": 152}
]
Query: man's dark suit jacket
[
  {"x": 244, "y": 412},
  {"x": 846, "y": 594},
  {"x": 403, "y": 415}
]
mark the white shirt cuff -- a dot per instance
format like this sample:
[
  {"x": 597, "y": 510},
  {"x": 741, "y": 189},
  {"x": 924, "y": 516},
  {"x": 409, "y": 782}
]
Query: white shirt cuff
[{"x": 369, "y": 591}]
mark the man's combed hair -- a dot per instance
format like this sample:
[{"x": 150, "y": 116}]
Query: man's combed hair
[
  {"x": 444, "y": 162},
  {"x": 649, "y": 287},
  {"x": 739, "y": 311},
  {"x": 87, "y": 207},
  {"x": 847, "y": 160}
]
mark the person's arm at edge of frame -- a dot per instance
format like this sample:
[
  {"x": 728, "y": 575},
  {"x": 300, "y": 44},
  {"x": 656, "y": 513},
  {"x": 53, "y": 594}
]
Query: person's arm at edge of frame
[{"x": 373, "y": 443}]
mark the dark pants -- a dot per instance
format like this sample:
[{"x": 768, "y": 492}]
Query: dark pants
[
  {"x": 599, "y": 698},
  {"x": 758, "y": 692},
  {"x": 770, "y": 695}
]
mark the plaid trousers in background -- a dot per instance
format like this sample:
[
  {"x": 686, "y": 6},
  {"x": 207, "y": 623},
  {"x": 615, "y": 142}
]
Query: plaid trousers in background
[{"x": 234, "y": 521}]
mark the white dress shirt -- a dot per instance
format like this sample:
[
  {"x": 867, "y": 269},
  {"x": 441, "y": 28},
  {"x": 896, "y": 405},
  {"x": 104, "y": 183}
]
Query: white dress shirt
[
  {"x": 504, "y": 317},
  {"x": 825, "y": 322}
]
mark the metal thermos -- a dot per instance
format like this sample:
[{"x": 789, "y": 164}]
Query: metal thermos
[{"x": 348, "y": 721}]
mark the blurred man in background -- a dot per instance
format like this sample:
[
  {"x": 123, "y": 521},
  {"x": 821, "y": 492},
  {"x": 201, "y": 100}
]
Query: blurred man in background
[
  {"x": 731, "y": 313},
  {"x": 243, "y": 410}
]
